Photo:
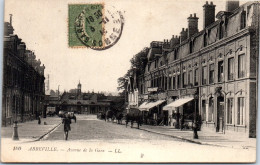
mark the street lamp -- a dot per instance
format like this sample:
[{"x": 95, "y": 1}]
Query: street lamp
[
  {"x": 15, "y": 133},
  {"x": 195, "y": 129}
]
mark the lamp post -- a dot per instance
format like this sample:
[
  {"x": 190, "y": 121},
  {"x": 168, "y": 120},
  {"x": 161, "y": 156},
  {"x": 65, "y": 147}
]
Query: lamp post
[
  {"x": 15, "y": 132},
  {"x": 195, "y": 129}
]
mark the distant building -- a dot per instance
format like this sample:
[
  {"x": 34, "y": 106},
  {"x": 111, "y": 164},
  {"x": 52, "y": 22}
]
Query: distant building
[
  {"x": 219, "y": 64},
  {"x": 79, "y": 102},
  {"x": 23, "y": 80}
]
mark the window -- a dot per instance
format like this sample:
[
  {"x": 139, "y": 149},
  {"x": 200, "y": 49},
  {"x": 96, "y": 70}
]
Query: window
[
  {"x": 231, "y": 68},
  {"x": 179, "y": 81},
  {"x": 170, "y": 83},
  {"x": 211, "y": 73},
  {"x": 184, "y": 79},
  {"x": 165, "y": 82},
  {"x": 191, "y": 47},
  {"x": 7, "y": 106},
  {"x": 160, "y": 82},
  {"x": 205, "y": 40},
  {"x": 173, "y": 83},
  {"x": 241, "y": 66},
  {"x": 220, "y": 71},
  {"x": 211, "y": 110},
  {"x": 204, "y": 75},
  {"x": 190, "y": 78},
  {"x": 203, "y": 116},
  {"x": 243, "y": 20},
  {"x": 229, "y": 110},
  {"x": 240, "y": 111},
  {"x": 155, "y": 64},
  {"x": 221, "y": 30},
  {"x": 196, "y": 77}
]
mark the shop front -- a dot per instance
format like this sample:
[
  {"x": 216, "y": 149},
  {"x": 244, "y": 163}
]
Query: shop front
[{"x": 181, "y": 108}]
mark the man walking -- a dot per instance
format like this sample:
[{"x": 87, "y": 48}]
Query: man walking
[{"x": 66, "y": 121}]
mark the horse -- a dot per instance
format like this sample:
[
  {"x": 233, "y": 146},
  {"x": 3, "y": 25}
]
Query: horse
[
  {"x": 134, "y": 115},
  {"x": 109, "y": 114},
  {"x": 119, "y": 116}
]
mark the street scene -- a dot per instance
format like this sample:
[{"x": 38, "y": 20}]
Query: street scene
[
  {"x": 180, "y": 93},
  {"x": 119, "y": 141}
]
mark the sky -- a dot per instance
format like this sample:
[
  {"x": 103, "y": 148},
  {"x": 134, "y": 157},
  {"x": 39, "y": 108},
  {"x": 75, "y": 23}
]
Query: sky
[{"x": 43, "y": 26}]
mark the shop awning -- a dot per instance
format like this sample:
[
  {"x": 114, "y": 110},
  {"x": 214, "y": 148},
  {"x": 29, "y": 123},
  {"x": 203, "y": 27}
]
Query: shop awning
[
  {"x": 150, "y": 105},
  {"x": 147, "y": 106},
  {"x": 142, "y": 107},
  {"x": 177, "y": 103}
]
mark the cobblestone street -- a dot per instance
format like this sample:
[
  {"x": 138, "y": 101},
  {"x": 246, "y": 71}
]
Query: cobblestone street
[{"x": 90, "y": 128}]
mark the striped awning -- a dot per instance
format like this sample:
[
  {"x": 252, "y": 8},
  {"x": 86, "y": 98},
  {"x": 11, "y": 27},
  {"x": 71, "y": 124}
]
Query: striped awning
[
  {"x": 142, "y": 107},
  {"x": 177, "y": 103},
  {"x": 147, "y": 106}
]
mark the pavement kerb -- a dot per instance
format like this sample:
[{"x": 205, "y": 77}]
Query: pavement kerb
[
  {"x": 48, "y": 132},
  {"x": 182, "y": 138}
]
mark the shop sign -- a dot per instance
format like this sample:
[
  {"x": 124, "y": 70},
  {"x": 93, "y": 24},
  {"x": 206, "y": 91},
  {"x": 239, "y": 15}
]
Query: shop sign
[
  {"x": 153, "y": 97},
  {"x": 162, "y": 96},
  {"x": 155, "y": 89},
  {"x": 146, "y": 97},
  {"x": 191, "y": 91},
  {"x": 184, "y": 92},
  {"x": 173, "y": 93}
]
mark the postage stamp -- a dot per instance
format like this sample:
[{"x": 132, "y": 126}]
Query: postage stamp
[{"x": 94, "y": 25}]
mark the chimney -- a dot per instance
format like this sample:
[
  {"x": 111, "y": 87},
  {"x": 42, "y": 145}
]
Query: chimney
[
  {"x": 183, "y": 35},
  {"x": 174, "y": 41},
  {"x": 11, "y": 15},
  {"x": 231, "y": 5},
  {"x": 192, "y": 25},
  {"x": 209, "y": 14}
]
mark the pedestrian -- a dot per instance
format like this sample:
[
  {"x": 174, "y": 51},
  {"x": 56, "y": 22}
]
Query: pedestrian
[
  {"x": 39, "y": 119},
  {"x": 66, "y": 121},
  {"x": 74, "y": 117},
  {"x": 182, "y": 122}
]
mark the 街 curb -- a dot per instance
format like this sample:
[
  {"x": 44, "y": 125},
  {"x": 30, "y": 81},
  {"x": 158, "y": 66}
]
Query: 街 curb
[
  {"x": 182, "y": 138},
  {"x": 41, "y": 137}
]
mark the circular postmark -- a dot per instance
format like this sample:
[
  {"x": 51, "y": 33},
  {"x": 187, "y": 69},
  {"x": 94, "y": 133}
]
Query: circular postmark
[{"x": 99, "y": 27}]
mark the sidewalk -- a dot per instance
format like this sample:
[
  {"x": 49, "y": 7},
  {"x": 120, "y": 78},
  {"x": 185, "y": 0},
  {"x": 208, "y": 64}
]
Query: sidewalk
[
  {"x": 206, "y": 137},
  {"x": 31, "y": 130}
]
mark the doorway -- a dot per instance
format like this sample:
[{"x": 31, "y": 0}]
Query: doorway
[{"x": 220, "y": 114}]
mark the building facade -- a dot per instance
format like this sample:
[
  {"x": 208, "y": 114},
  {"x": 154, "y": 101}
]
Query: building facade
[
  {"x": 23, "y": 80},
  {"x": 218, "y": 64},
  {"x": 79, "y": 102}
]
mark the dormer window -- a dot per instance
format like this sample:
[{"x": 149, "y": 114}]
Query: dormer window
[
  {"x": 221, "y": 30},
  {"x": 205, "y": 40},
  {"x": 149, "y": 66},
  {"x": 243, "y": 20},
  {"x": 190, "y": 46}
]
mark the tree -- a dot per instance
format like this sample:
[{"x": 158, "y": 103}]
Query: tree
[{"x": 138, "y": 64}]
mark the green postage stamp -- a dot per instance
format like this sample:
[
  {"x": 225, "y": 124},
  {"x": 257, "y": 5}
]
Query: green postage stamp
[{"x": 94, "y": 25}]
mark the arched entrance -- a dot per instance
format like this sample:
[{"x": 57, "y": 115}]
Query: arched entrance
[{"x": 220, "y": 113}]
